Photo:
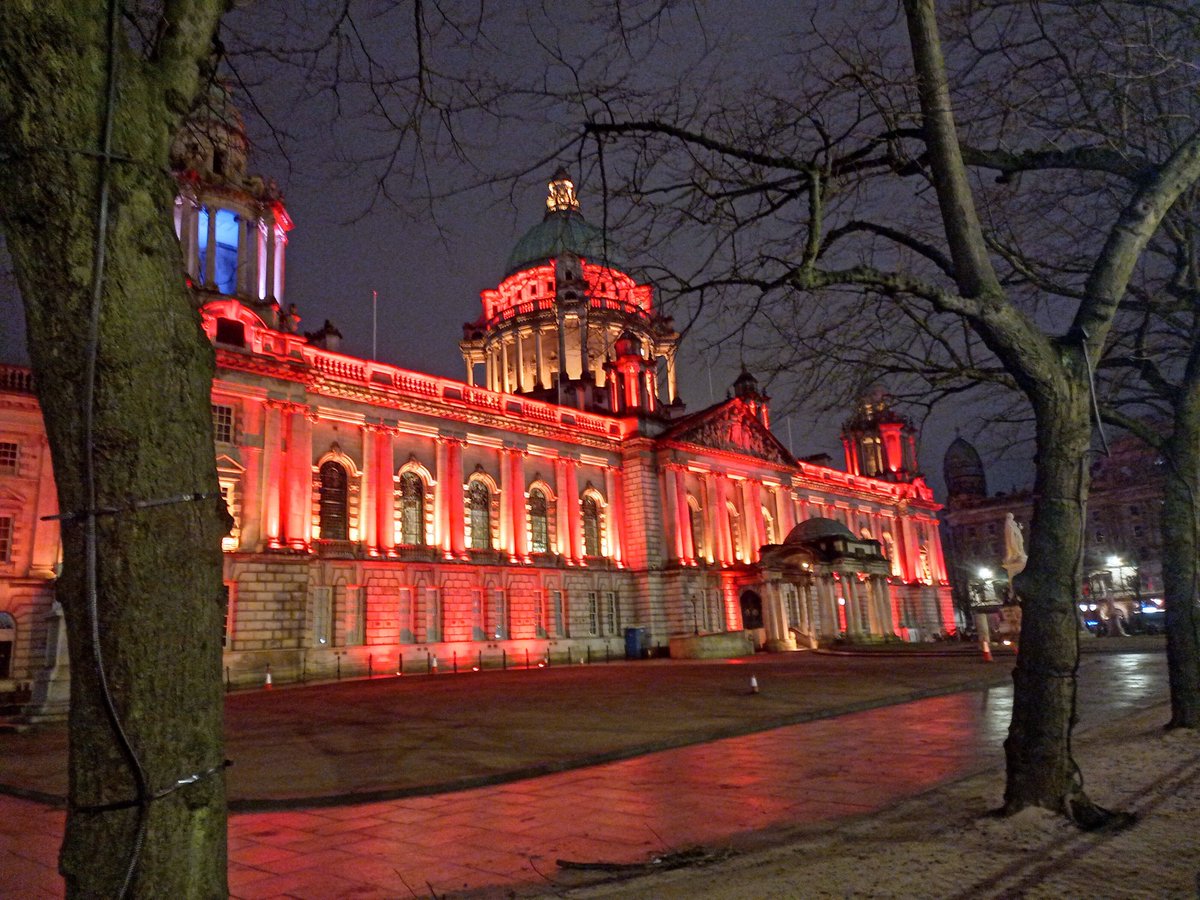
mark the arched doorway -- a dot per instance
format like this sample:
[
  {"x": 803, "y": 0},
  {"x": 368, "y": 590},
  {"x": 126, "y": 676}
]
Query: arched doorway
[{"x": 752, "y": 611}]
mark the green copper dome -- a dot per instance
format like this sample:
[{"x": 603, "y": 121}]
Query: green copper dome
[{"x": 563, "y": 230}]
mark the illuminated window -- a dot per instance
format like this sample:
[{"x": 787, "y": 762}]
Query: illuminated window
[
  {"x": 591, "y": 527},
  {"x": 322, "y": 615},
  {"x": 222, "y": 417},
  {"x": 8, "y": 457},
  {"x": 872, "y": 457},
  {"x": 6, "y": 536},
  {"x": 225, "y": 268},
  {"x": 405, "y": 615},
  {"x": 227, "y": 623},
  {"x": 412, "y": 509},
  {"x": 477, "y": 632},
  {"x": 332, "y": 508},
  {"x": 498, "y": 616},
  {"x": 539, "y": 522},
  {"x": 614, "y": 612},
  {"x": 479, "y": 502},
  {"x": 593, "y": 610}
]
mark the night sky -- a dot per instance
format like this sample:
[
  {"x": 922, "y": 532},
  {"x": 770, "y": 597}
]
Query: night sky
[{"x": 428, "y": 260}]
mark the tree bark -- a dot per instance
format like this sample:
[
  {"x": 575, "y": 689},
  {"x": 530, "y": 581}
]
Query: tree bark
[
  {"x": 158, "y": 600},
  {"x": 1180, "y": 527},
  {"x": 1041, "y": 771}
]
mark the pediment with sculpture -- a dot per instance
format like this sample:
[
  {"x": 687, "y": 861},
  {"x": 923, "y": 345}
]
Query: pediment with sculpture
[{"x": 731, "y": 429}]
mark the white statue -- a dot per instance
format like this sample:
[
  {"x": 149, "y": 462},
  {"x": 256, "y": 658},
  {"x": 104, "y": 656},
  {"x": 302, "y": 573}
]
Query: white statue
[{"x": 1014, "y": 547}]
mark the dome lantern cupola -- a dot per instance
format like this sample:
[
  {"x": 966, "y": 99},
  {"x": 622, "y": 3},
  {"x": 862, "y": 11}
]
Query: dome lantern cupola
[
  {"x": 550, "y": 329},
  {"x": 232, "y": 226},
  {"x": 879, "y": 442}
]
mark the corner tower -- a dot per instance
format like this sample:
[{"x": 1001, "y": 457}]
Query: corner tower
[
  {"x": 565, "y": 307},
  {"x": 879, "y": 442},
  {"x": 232, "y": 227}
]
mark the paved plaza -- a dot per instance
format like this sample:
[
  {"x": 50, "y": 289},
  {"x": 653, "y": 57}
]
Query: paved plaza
[{"x": 480, "y": 783}]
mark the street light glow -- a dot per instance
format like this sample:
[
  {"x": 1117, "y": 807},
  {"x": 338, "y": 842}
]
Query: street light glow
[
  {"x": 1114, "y": 561},
  {"x": 985, "y": 572}
]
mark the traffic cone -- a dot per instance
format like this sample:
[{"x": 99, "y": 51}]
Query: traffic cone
[
  {"x": 267, "y": 684},
  {"x": 753, "y": 685},
  {"x": 987, "y": 651}
]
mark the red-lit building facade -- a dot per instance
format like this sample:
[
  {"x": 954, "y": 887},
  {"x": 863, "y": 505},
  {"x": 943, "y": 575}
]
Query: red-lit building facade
[{"x": 556, "y": 497}]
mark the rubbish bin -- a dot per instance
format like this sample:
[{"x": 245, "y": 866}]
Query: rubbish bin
[{"x": 635, "y": 642}]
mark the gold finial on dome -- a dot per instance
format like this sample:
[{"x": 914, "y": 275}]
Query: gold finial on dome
[{"x": 562, "y": 194}]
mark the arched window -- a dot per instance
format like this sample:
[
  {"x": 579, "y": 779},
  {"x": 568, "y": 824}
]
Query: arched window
[
  {"x": 591, "y": 527},
  {"x": 332, "y": 511},
  {"x": 479, "y": 501},
  {"x": 412, "y": 509},
  {"x": 539, "y": 522}
]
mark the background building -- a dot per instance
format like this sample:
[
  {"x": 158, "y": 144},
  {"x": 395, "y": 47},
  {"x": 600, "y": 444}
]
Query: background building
[
  {"x": 385, "y": 518},
  {"x": 1123, "y": 553}
]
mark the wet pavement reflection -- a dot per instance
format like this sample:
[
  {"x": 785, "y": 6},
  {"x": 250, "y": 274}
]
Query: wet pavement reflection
[{"x": 510, "y": 835}]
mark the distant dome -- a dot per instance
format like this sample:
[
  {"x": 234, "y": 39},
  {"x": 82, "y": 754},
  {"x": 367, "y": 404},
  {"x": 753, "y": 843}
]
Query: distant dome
[
  {"x": 963, "y": 469},
  {"x": 816, "y": 528},
  {"x": 563, "y": 230}
]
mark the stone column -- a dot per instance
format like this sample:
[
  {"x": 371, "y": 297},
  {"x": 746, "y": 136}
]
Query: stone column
[
  {"x": 756, "y": 516},
  {"x": 616, "y": 514},
  {"x": 243, "y": 256},
  {"x": 854, "y": 622},
  {"x": 470, "y": 369},
  {"x": 385, "y": 499},
  {"x": 539, "y": 362},
  {"x": 505, "y": 384},
  {"x": 441, "y": 499},
  {"x": 189, "y": 238},
  {"x": 269, "y": 266},
  {"x": 367, "y": 522},
  {"x": 507, "y": 538},
  {"x": 210, "y": 252},
  {"x": 298, "y": 529},
  {"x": 671, "y": 391},
  {"x": 519, "y": 525},
  {"x": 687, "y": 543},
  {"x": 573, "y": 517},
  {"x": 520, "y": 361},
  {"x": 458, "y": 536},
  {"x": 562, "y": 519},
  {"x": 273, "y": 487},
  {"x": 671, "y": 495}
]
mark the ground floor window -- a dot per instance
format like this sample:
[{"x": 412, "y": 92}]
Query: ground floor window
[
  {"x": 752, "y": 615},
  {"x": 8, "y": 638}
]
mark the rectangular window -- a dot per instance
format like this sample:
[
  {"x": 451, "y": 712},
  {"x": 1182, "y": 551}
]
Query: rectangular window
[
  {"x": 560, "y": 621},
  {"x": 477, "y": 623},
  {"x": 227, "y": 625},
  {"x": 6, "y": 536},
  {"x": 9, "y": 456},
  {"x": 321, "y": 615},
  {"x": 593, "y": 613},
  {"x": 405, "y": 615},
  {"x": 614, "y": 612},
  {"x": 222, "y": 417},
  {"x": 356, "y": 616},
  {"x": 539, "y": 613},
  {"x": 498, "y": 610},
  {"x": 718, "y": 618},
  {"x": 433, "y": 614}
]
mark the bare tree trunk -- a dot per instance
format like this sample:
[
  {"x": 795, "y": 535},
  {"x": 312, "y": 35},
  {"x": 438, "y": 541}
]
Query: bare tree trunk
[
  {"x": 1181, "y": 578},
  {"x": 158, "y": 604},
  {"x": 1041, "y": 771}
]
